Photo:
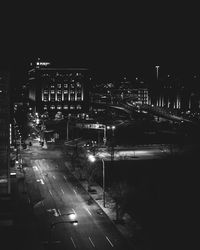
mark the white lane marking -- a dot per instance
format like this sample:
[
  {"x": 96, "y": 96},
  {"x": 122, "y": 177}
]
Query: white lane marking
[
  {"x": 59, "y": 211},
  {"x": 65, "y": 178},
  {"x": 62, "y": 191},
  {"x": 42, "y": 182},
  {"x": 35, "y": 168},
  {"x": 50, "y": 192},
  {"x": 73, "y": 242},
  {"x": 54, "y": 177},
  {"x": 75, "y": 192},
  {"x": 73, "y": 210},
  {"x": 109, "y": 241},
  {"x": 88, "y": 210},
  {"x": 91, "y": 242}
]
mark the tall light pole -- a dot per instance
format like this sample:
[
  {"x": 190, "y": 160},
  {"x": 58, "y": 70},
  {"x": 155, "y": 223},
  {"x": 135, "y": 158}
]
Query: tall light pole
[
  {"x": 93, "y": 159},
  {"x": 104, "y": 135},
  {"x": 157, "y": 68},
  {"x": 104, "y": 201}
]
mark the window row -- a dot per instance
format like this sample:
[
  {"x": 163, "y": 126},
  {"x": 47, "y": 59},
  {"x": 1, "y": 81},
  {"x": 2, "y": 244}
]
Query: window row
[
  {"x": 65, "y": 91},
  {"x": 66, "y": 85},
  {"x": 66, "y": 107},
  {"x": 60, "y": 99}
]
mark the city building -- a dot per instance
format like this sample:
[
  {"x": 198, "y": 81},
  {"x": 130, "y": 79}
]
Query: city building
[
  {"x": 137, "y": 90},
  {"x": 171, "y": 93},
  {"x": 57, "y": 89},
  {"x": 4, "y": 132}
]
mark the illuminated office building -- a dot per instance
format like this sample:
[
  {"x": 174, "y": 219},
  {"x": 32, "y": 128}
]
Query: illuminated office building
[{"x": 54, "y": 89}]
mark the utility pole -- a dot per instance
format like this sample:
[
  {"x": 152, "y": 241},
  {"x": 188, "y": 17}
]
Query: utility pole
[
  {"x": 103, "y": 182},
  {"x": 157, "y": 68}
]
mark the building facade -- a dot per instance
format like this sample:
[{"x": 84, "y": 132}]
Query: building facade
[{"x": 53, "y": 89}]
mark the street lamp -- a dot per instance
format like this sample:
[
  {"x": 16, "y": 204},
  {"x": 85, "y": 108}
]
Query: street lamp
[
  {"x": 93, "y": 159},
  {"x": 104, "y": 201},
  {"x": 157, "y": 68}
]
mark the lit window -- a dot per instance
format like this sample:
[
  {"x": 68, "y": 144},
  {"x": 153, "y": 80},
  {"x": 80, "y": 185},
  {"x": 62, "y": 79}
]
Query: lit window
[
  {"x": 65, "y": 106},
  {"x": 78, "y": 107},
  {"x": 72, "y": 107},
  {"x": 78, "y": 85},
  {"x": 59, "y": 85},
  {"x": 59, "y": 107},
  {"x": 52, "y": 107},
  {"x": 65, "y": 85},
  {"x": 65, "y": 91},
  {"x": 46, "y": 98},
  {"x": 45, "y": 107},
  {"x": 52, "y": 91},
  {"x": 52, "y": 86},
  {"x": 59, "y": 92}
]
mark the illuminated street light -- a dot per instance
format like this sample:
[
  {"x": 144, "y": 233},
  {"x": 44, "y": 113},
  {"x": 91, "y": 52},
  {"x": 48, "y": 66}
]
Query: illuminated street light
[
  {"x": 93, "y": 159},
  {"x": 157, "y": 68}
]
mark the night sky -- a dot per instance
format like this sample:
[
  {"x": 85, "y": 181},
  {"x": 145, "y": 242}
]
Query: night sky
[{"x": 111, "y": 39}]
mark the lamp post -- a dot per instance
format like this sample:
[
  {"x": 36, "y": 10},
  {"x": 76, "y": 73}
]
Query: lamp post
[
  {"x": 157, "y": 68},
  {"x": 93, "y": 159},
  {"x": 104, "y": 135},
  {"x": 104, "y": 202}
]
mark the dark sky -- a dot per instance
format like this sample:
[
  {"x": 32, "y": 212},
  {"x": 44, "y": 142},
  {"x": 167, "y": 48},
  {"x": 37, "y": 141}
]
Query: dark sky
[{"x": 112, "y": 39}]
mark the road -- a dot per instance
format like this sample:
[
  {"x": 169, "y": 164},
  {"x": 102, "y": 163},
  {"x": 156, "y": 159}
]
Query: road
[{"x": 62, "y": 194}]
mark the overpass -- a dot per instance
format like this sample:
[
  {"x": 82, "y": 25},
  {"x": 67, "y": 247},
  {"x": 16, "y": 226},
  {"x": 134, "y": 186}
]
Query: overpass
[{"x": 129, "y": 108}]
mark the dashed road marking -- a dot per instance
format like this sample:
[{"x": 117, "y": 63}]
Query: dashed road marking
[
  {"x": 65, "y": 177},
  {"x": 109, "y": 241},
  {"x": 35, "y": 168},
  {"x": 73, "y": 242},
  {"x": 88, "y": 211},
  {"x": 91, "y": 242},
  {"x": 62, "y": 191},
  {"x": 50, "y": 192},
  {"x": 73, "y": 210},
  {"x": 59, "y": 211},
  {"x": 54, "y": 177},
  {"x": 42, "y": 182},
  {"x": 75, "y": 192}
]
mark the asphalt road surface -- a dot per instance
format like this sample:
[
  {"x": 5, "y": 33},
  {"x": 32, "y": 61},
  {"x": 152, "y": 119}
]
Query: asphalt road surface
[{"x": 62, "y": 195}]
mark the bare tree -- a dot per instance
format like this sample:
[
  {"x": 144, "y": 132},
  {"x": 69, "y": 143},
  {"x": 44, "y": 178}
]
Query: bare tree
[{"x": 119, "y": 191}]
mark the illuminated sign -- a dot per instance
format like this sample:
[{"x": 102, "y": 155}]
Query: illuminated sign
[
  {"x": 42, "y": 63},
  {"x": 90, "y": 126}
]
